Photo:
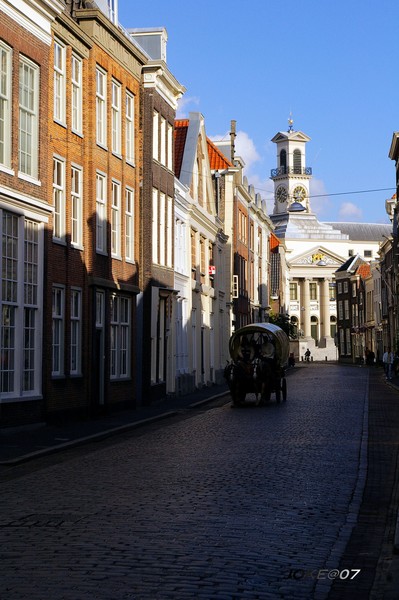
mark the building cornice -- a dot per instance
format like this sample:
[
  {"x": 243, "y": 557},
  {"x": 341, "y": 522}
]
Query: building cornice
[
  {"x": 156, "y": 75},
  {"x": 34, "y": 16}
]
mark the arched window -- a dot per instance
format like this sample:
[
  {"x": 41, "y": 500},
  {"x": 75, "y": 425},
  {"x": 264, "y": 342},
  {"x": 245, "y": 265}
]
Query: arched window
[
  {"x": 333, "y": 326},
  {"x": 283, "y": 161},
  {"x": 297, "y": 162}
]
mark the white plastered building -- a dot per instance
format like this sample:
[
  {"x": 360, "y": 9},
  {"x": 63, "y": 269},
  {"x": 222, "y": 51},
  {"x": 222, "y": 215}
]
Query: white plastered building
[{"x": 314, "y": 250}]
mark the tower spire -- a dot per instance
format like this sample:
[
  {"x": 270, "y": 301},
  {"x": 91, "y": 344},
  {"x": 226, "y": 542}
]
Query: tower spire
[{"x": 290, "y": 123}]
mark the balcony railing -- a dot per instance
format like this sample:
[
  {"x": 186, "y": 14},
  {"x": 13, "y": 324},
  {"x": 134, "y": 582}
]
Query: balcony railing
[{"x": 290, "y": 171}]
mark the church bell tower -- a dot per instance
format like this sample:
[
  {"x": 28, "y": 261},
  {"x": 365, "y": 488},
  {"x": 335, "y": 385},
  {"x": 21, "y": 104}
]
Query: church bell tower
[{"x": 291, "y": 177}]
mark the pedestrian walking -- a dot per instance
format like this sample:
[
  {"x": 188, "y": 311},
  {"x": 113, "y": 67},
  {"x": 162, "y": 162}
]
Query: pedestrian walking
[
  {"x": 387, "y": 360},
  {"x": 307, "y": 355}
]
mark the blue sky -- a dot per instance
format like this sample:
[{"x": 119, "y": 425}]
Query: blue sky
[{"x": 333, "y": 65}]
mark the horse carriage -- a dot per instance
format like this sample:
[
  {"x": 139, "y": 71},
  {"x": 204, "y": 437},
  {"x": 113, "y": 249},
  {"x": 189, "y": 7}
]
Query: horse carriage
[{"x": 259, "y": 355}]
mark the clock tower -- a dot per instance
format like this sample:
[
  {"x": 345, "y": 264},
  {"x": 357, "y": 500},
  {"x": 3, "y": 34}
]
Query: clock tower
[{"x": 291, "y": 177}]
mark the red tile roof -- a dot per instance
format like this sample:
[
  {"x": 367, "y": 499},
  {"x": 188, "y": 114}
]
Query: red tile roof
[
  {"x": 181, "y": 127},
  {"x": 364, "y": 271},
  {"x": 217, "y": 159},
  {"x": 274, "y": 242}
]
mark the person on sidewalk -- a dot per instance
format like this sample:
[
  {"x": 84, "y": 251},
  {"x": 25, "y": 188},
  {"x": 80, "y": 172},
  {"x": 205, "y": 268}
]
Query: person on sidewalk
[{"x": 387, "y": 360}]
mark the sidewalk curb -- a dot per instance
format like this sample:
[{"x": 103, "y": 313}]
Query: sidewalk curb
[{"x": 104, "y": 434}]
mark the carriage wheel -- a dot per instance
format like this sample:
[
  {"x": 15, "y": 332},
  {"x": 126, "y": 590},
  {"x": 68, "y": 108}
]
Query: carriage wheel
[
  {"x": 284, "y": 389},
  {"x": 278, "y": 390}
]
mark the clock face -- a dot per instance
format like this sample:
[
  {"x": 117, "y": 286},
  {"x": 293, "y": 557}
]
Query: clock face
[
  {"x": 299, "y": 193},
  {"x": 281, "y": 194}
]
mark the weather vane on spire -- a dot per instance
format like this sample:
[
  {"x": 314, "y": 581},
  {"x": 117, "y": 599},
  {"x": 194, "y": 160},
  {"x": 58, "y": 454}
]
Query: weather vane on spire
[{"x": 290, "y": 122}]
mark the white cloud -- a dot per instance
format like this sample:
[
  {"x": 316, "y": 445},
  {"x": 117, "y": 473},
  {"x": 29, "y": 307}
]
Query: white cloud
[
  {"x": 245, "y": 148},
  {"x": 184, "y": 102},
  {"x": 320, "y": 202},
  {"x": 348, "y": 210}
]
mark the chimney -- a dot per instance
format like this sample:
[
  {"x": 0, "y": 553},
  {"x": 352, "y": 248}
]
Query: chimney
[{"x": 232, "y": 138}]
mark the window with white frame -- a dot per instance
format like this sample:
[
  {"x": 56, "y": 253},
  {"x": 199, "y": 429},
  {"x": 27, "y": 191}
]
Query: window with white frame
[
  {"x": 313, "y": 291},
  {"x": 5, "y": 105},
  {"x": 162, "y": 229},
  {"x": 59, "y": 81},
  {"x": 116, "y": 117},
  {"x": 354, "y": 289},
  {"x": 77, "y": 93},
  {"x": 76, "y": 332},
  {"x": 101, "y": 213},
  {"x": 342, "y": 341},
  {"x": 346, "y": 309},
  {"x": 154, "y": 225},
  {"x": 345, "y": 287},
  {"x": 120, "y": 337},
  {"x": 59, "y": 199},
  {"x": 155, "y": 135},
  {"x": 339, "y": 285},
  {"x": 293, "y": 291},
  {"x": 28, "y": 157},
  {"x": 101, "y": 107},
  {"x": 58, "y": 314},
  {"x": 169, "y": 231},
  {"x": 340, "y": 310},
  {"x": 130, "y": 137},
  {"x": 129, "y": 224},
  {"x": 21, "y": 293},
  {"x": 348, "y": 341},
  {"x": 116, "y": 219},
  {"x": 76, "y": 206},
  {"x": 170, "y": 147},
  {"x": 163, "y": 142}
]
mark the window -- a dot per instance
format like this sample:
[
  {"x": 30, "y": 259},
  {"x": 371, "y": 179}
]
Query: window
[
  {"x": 346, "y": 307},
  {"x": 130, "y": 138},
  {"x": 120, "y": 337},
  {"x": 59, "y": 199},
  {"x": 76, "y": 206},
  {"x": 76, "y": 332},
  {"x": 340, "y": 310},
  {"x": 368, "y": 254},
  {"x": 101, "y": 213},
  {"x": 162, "y": 230},
  {"x": 283, "y": 160},
  {"x": 101, "y": 107},
  {"x": 169, "y": 231},
  {"x": 129, "y": 224},
  {"x": 348, "y": 341},
  {"x": 154, "y": 225},
  {"x": 59, "y": 82},
  {"x": 155, "y": 134},
  {"x": 5, "y": 105},
  {"x": 345, "y": 287},
  {"x": 76, "y": 76},
  {"x": 351, "y": 252},
  {"x": 170, "y": 147},
  {"x": 354, "y": 289},
  {"x": 116, "y": 117},
  {"x": 331, "y": 287},
  {"x": 342, "y": 341},
  {"x": 313, "y": 291},
  {"x": 340, "y": 287},
  {"x": 293, "y": 291},
  {"x": 297, "y": 162},
  {"x": 20, "y": 320},
  {"x": 58, "y": 331},
  {"x": 163, "y": 142},
  {"x": 28, "y": 118},
  {"x": 116, "y": 220}
]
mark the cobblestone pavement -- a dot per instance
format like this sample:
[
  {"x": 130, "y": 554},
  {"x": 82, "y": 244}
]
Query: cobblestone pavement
[{"x": 257, "y": 502}]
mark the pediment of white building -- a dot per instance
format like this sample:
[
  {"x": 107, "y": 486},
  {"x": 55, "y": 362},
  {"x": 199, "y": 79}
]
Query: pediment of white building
[{"x": 317, "y": 256}]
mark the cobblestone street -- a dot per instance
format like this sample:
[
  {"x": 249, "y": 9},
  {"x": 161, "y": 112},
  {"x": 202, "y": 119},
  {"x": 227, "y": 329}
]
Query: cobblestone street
[{"x": 222, "y": 503}]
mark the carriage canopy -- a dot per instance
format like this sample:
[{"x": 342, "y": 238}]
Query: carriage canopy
[{"x": 265, "y": 336}]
